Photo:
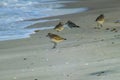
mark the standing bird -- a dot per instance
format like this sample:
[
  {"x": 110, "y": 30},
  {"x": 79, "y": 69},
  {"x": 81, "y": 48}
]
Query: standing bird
[
  {"x": 72, "y": 25},
  {"x": 55, "y": 39},
  {"x": 59, "y": 27},
  {"x": 100, "y": 20}
]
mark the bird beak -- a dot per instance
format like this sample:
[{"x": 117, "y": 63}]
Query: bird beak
[{"x": 46, "y": 35}]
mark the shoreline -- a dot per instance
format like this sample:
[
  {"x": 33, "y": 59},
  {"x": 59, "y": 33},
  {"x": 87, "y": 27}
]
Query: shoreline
[
  {"x": 15, "y": 30},
  {"x": 87, "y": 53}
]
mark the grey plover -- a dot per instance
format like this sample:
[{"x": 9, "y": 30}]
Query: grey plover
[
  {"x": 59, "y": 27},
  {"x": 100, "y": 20},
  {"x": 55, "y": 39},
  {"x": 72, "y": 25}
]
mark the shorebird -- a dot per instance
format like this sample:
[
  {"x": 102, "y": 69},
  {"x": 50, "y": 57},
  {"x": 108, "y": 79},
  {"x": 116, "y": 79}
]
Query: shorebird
[
  {"x": 55, "y": 39},
  {"x": 59, "y": 27},
  {"x": 100, "y": 20},
  {"x": 36, "y": 30},
  {"x": 72, "y": 25}
]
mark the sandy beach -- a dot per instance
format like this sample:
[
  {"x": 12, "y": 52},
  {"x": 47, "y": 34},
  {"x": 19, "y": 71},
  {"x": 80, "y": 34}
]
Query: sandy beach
[{"x": 87, "y": 54}]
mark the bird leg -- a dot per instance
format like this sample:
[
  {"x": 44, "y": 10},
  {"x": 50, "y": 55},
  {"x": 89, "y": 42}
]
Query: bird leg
[
  {"x": 101, "y": 25},
  {"x": 55, "y": 44},
  {"x": 98, "y": 24}
]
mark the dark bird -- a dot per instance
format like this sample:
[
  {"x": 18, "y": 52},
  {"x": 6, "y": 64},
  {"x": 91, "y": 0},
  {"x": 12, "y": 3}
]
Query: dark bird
[
  {"x": 72, "y": 25},
  {"x": 59, "y": 27},
  {"x": 55, "y": 39},
  {"x": 100, "y": 20}
]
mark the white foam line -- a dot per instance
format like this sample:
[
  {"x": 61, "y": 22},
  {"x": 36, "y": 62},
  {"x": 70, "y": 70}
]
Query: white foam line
[{"x": 45, "y": 28}]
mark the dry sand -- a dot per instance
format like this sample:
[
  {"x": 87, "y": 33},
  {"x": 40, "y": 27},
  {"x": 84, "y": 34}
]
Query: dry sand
[{"x": 87, "y": 54}]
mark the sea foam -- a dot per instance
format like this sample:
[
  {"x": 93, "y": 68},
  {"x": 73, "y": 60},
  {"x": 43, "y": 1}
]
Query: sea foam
[{"x": 14, "y": 12}]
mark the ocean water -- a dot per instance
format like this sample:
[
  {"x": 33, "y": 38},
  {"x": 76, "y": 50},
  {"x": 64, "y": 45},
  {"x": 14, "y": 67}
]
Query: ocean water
[{"x": 14, "y": 12}]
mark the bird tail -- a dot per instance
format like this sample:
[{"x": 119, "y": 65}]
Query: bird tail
[
  {"x": 96, "y": 19},
  {"x": 78, "y": 26},
  {"x": 65, "y": 39}
]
